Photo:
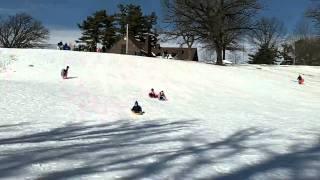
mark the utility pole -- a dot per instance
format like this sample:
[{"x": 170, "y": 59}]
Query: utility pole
[
  {"x": 242, "y": 51},
  {"x": 294, "y": 51},
  {"x": 127, "y": 39}
]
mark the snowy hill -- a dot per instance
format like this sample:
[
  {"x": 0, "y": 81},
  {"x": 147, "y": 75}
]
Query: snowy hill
[{"x": 220, "y": 122}]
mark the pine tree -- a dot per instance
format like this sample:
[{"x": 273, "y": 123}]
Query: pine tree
[
  {"x": 98, "y": 28},
  {"x": 265, "y": 55},
  {"x": 287, "y": 54},
  {"x": 139, "y": 25},
  {"x": 109, "y": 36}
]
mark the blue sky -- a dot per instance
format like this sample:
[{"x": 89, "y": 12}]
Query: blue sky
[
  {"x": 288, "y": 11},
  {"x": 62, "y": 16}
]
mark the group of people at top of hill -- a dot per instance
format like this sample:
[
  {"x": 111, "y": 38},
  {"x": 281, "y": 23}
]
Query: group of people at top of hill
[
  {"x": 61, "y": 46},
  {"x": 137, "y": 109}
]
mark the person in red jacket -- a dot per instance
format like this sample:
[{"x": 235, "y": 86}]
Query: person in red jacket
[
  {"x": 300, "y": 79},
  {"x": 152, "y": 94}
]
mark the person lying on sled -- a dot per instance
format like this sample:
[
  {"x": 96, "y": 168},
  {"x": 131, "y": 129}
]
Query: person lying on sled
[
  {"x": 136, "y": 108},
  {"x": 300, "y": 79},
  {"x": 162, "y": 97},
  {"x": 152, "y": 94}
]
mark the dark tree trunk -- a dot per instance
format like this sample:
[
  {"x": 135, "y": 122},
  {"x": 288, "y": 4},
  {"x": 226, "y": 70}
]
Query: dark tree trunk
[
  {"x": 219, "y": 50},
  {"x": 190, "y": 57},
  {"x": 224, "y": 53}
]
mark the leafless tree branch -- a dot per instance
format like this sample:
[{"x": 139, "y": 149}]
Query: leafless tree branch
[{"x": 22, "y": 31}]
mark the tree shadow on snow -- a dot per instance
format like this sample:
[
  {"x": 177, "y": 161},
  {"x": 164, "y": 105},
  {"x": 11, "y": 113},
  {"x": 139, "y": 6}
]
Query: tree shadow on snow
[
  {"x": 148, "y": 150},
  {"x": 13, "y": 125}
]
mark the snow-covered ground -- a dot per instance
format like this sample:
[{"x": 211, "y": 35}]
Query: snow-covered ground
[{"x": 220, "y": 122}]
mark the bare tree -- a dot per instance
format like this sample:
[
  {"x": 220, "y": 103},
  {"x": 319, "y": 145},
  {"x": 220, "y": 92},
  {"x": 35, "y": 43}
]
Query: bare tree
[
  {"x": 183, "y": 36},
  {"x": 303, "y": 30},
  {"x": 218, "y": 23},
  {"x": 314, "y": 13},
  {"x": 22, "y": 31},
  {"x": 268, "y": 32},
  {"x": 306, "y": 46}
]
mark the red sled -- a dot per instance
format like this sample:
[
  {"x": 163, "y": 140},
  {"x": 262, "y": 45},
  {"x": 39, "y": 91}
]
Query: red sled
[
  {"x": 301, "y": 81},
  {"x": 153, "y": 95}
]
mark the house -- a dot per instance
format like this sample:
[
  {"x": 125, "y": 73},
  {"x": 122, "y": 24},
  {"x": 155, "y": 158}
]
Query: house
[
  {"x": 137, "y": 47},
  {"x": 177, "y": 53},
  {"x": 307, "y": 52}
]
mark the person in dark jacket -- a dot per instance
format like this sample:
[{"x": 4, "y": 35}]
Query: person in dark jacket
[
  {"x": 136, "y": 108},
  {"x": 104, "y": 49},
  {"x": 162, "y": 97},
  {"x": 66, "y": 47},
  {"x": 64, "y": 73}
]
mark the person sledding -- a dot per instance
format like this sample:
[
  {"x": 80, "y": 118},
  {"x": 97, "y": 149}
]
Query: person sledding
[
  {"x": 162, "y": 96},
  {"x": 300, "y": 79},
  {"x": 152, "y": 94},
  {"x": 64, "y": 73},
  {"x": 136, "y": 109}
]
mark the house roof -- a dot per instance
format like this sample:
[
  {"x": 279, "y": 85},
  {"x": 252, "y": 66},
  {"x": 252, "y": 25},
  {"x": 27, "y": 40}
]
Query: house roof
[
  {"x": 180, "y": 53},
  {"x": 137, "y": 43}
]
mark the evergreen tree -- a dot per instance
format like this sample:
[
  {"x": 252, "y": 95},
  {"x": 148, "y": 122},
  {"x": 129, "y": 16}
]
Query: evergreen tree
[
  {"x": 139, "y": 25},
  {"x": 98, "y": 28},
  {"x": 287, "y": 54},
  {"x": 109, "y": 36},
  {"x": 265, "y": 55},
  {"x": 267, "y": 36}
]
